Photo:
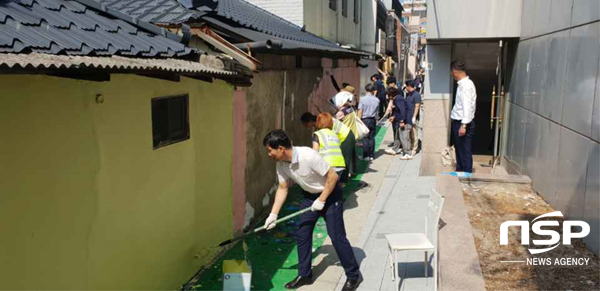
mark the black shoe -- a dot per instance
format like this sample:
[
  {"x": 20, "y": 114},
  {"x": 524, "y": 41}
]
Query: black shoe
[
  {"x": 299, "y": 282},
  {"x": 351, "y": 285}
]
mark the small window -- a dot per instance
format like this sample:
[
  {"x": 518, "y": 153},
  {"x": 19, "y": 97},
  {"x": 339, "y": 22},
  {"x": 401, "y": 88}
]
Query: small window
[
  {"x": 345, "y": 8},
  {"x": 333, "y": 5},
  {"x": 356, "y": 10},
  {"x": 170, "y": 120}
]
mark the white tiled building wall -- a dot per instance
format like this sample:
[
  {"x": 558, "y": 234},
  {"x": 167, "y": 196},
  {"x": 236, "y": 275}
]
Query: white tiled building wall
[{"x": 290, "y": 10}]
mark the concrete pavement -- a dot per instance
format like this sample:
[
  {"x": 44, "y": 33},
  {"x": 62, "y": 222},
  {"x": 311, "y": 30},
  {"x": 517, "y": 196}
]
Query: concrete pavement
[{"x": 394, "y": 201}]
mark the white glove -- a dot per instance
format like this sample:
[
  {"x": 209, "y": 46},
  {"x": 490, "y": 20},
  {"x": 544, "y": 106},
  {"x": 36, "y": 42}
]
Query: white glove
[
  {"x": 269, "y": 223},
  {"x": 317, "y": 205},
  {"x": 414, "y": 120}
]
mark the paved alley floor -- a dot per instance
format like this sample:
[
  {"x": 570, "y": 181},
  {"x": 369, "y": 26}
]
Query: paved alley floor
[
  {"x": 387, "y": 196},
  {"x": 395, "y": 201}
]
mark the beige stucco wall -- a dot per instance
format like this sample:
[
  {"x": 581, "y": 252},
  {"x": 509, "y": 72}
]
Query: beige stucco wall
[{"x": 87, "y": 203}]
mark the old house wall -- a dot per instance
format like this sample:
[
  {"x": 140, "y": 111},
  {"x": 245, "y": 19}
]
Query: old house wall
[
  {"x": 89, "y": 204},
  {"x": 279, "y": 94}
]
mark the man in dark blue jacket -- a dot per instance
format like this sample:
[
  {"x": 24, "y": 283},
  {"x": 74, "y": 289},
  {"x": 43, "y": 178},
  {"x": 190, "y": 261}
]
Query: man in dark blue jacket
[
  {"x": 402, "y": 120},
  {"x": 380, "y": 88}
]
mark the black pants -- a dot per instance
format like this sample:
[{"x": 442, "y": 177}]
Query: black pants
[
  {"x": 348, "y": 148},
  {"x": 462, "y": 146},
  {"x": 333, "y": 213},
  {"x": 382, "y": 105},
  {"x": 369, "y": 140}
]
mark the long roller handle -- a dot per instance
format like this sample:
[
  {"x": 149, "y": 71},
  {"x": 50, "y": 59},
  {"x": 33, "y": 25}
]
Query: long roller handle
[{"x": 283, "y": 219}]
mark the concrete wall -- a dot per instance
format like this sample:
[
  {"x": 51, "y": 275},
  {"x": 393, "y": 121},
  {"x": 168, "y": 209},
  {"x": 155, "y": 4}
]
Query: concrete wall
[
  {"x": 87, "y": 203},
  {"x": 554, "y": 124},
  {"x": 332, "y": 25},
  {"x": 366, "y": 73},
  {"x": 368, "y": 30},
  {"x": 277, "y": 98},
  {"x": 290, "y": 10},
  {"x": 454, "y": 19}
]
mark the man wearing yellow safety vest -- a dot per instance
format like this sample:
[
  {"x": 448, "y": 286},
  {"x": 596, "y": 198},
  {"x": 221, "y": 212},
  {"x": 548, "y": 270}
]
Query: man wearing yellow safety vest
[{"x": 346, "y": 137}]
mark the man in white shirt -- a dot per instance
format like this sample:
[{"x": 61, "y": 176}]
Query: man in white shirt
[
  {"x": 463, "y": 112},
  {"x": 322, "y": 193}
]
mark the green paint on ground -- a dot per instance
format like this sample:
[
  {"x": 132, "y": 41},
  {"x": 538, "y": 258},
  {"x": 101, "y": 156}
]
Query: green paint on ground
[{"x": 272, "y": 254}]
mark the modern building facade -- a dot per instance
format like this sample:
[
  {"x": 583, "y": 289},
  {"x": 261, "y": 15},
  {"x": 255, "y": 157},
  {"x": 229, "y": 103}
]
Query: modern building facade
[{"x": 537, "y": 62}]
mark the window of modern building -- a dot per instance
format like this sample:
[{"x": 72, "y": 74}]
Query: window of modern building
[
  {"x": 345, "y": 8},
  {"x": 333, "y": 5},
  {"x": 170, "y": 120}
]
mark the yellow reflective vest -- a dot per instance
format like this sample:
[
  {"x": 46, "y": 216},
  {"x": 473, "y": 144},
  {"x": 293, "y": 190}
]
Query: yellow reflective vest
[
  {"x": 341, "y": 130},
  {"x": 329, "y": 148}
]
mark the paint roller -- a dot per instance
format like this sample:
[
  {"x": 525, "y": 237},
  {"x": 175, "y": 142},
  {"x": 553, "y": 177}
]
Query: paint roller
[{"x": 284, "y": 219}]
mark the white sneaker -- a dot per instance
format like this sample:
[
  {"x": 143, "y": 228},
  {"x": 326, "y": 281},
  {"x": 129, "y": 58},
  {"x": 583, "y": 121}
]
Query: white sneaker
[
  {"x": 406, "y": 157},
  {"x": 390, "y": 152},
  {"x": 371, "y": 159}
]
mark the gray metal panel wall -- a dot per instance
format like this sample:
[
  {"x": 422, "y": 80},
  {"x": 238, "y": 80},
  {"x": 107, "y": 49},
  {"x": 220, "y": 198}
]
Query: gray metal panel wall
[
  {"x": 585, "y": 11},
  {"x": 438, "y": 83},
  {"x": 554, "y": 84},
  {"x": 596, "y": 117},
  {"x": 560, "y": 14},
  {"x": 591, "y": 212},
  {"x": 537, "y": 73},
  {"x": 547, "y": 163},
  {"x": 531, "y": 138},
  {"x": 582, "y": 70},
  {"x": 554, "y": 122},
  {"x": 572, "y": 172}
]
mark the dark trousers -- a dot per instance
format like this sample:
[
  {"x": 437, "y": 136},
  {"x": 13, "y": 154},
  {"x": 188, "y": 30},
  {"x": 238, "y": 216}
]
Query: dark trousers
[
  {"x": 348, "y": 148},
  {"x": 333, "y": 213},
  {"x": 369, "y": 140},
  {"x": 395, "y": 126},
  {"x": 382, "y": 105},
  {"x": 462, "y": 146}
]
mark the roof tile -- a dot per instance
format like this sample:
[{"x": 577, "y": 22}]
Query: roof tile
[{"x": 67, "y": 26}]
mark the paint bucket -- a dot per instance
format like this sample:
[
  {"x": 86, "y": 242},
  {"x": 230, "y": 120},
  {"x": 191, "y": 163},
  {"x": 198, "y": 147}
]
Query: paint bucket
[{"x": 236, "y": 275}]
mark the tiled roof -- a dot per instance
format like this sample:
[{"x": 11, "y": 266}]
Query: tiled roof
[
  {"x": 238, "y": 11},
  {"x": 80, "y": 27},
  {"x": 261, "y": 20},
  {"x": 154, "y": 11}
]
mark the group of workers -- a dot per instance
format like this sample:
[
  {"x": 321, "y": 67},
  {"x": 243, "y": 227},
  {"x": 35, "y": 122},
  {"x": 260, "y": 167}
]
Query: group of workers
[{"x": 322, "y": 169}]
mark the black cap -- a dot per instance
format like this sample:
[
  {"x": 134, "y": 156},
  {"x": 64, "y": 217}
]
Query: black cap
[{"x": 391, "y": 79}]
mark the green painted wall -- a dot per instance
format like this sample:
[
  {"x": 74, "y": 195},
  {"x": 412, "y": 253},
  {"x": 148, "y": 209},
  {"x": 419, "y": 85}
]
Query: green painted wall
[{"x": 85, "y": 201}]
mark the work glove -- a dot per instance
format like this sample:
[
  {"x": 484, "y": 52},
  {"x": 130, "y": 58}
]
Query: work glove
[
  {"x": 414, "y": 120},
  {"x": 317, "y": 205},
  {"x": 270, "y": 222}
]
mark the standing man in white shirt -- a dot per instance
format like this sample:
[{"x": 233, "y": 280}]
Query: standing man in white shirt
[
  {"x": 463, "y": 112},
  {"x": 323, "y": 194}
]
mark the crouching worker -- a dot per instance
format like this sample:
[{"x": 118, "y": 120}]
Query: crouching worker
[{"x": 322, "y": 193}]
